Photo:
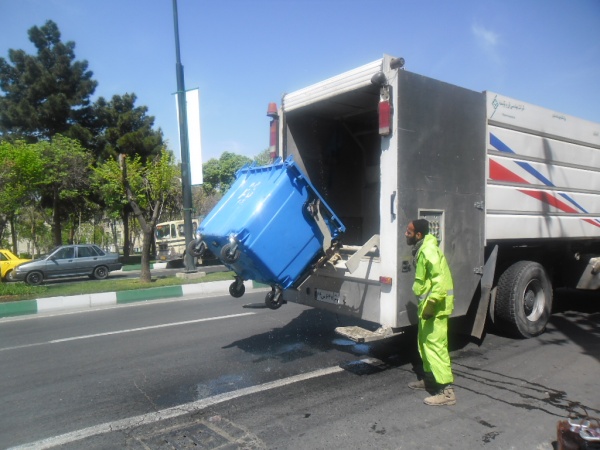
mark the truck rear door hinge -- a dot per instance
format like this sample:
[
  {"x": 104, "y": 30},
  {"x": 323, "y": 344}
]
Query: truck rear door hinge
[
  {"x": 479, "y": 205},
  {"x": 478, "y": 270}
]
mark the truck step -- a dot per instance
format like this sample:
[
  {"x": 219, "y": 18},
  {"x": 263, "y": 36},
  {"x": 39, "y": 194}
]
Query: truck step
[{"x": 360, "y": 335}]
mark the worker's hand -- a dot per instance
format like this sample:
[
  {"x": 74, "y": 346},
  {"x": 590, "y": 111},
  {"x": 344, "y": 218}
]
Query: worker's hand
[{"x": 428, "y": 310}]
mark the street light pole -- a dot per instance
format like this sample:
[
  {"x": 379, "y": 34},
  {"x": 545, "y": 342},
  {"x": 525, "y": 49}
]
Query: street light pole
[{"x": 186, "y": 179}]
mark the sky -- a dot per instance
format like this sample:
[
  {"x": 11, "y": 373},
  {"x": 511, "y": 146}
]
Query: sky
[{"x": 243, "y": 54}]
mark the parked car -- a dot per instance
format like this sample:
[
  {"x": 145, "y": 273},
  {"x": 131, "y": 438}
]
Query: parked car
[
  {"x": 69, "y": 261},
  {"x": 8, "y": 262}
]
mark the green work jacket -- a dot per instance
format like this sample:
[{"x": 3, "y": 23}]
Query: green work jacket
[{"x": 433, "y": 280}]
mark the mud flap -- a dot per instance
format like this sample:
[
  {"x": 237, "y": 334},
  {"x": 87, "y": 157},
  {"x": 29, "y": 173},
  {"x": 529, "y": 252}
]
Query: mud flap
[
  {"x": 590, "y": 279},
  {"x": 486, "y": 287}
]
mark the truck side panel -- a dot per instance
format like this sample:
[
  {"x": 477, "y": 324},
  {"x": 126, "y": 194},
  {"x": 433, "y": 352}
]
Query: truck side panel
[
  {"x": 543, "y": 173},
  {"x": 441, "y": 173}
]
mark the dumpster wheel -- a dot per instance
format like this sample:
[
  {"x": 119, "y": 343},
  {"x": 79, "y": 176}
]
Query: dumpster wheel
[
  {"x": 274, "y": 299},
  {"x": 230, "y": 253},
  {"x": 237, "y": 288}
]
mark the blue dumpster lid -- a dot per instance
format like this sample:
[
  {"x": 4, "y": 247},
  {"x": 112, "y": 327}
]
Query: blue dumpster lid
[{"x": 291, "y": 165}]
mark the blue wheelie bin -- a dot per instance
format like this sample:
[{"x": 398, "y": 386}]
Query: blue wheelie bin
[{"x": 270, "y": 226}]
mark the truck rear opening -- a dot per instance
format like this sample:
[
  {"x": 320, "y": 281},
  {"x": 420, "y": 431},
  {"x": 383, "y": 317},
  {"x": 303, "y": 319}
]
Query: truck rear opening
[
  {"x": 336, "y": 141},
  {"x": 334, "y": 131}
]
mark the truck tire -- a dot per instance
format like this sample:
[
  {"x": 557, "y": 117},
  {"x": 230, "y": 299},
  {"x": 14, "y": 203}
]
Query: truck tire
[{"x": 523, "y": 300}]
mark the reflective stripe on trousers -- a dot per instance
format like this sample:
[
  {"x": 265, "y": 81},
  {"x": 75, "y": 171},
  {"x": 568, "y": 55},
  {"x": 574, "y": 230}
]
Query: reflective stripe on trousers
[{"x": 449, "y": 292}]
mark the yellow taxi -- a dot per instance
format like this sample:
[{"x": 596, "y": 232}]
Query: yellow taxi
[{"x": 8, "y": 261}]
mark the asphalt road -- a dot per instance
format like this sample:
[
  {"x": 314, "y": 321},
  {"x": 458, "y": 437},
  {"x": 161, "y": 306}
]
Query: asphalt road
[{"x": 227, "y": 373}]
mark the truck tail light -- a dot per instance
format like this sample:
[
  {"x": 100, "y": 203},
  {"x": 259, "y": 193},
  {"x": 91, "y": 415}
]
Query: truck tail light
[
  {"x": 272, "y": 113},
  {"x": 386, "y": 280},
  {"x": 385, "y": 117}
]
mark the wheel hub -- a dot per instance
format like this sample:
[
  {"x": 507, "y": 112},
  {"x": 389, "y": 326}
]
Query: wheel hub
[{"x": 533, "y": 300}]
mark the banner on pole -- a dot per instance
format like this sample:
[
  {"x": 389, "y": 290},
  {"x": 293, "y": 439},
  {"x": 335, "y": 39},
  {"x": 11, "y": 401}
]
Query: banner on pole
[{"x": 194, "y": 134}]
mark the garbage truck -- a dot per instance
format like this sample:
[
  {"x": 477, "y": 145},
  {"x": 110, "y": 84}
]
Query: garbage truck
[{"x": 511, "y": 191}]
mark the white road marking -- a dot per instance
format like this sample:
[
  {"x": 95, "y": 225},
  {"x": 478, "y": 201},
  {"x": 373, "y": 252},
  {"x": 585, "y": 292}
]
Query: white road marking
[
  {"x": 175, "y": 411},
  {"x": 131, "y": 330}
]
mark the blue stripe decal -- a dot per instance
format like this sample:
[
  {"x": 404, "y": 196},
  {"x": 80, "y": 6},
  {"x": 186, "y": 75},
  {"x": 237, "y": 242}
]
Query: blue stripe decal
[
  {"x": 573, "y": 202},
  {"x": 501, "y": 146},
  {"x": 535, "y": 173},
  {"x": 563, "y": 195}
]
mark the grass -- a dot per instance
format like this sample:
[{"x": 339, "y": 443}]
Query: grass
[{"x": 16, "y": 291}]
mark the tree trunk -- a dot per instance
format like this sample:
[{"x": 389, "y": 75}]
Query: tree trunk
[
  {"x": 13, "y": 231},
  {"x": 72, "y": 233},
  {"x": 126, "y": 240},
  {"x": 145, "y": 275},
  {"x": 3, "y": 222},
  {"x": 146, "y": 226},
  {"x": 56, "y": 229}
]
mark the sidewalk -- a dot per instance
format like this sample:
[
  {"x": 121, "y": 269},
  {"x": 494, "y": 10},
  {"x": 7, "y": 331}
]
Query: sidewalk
[{"x": 86, "y": 301}]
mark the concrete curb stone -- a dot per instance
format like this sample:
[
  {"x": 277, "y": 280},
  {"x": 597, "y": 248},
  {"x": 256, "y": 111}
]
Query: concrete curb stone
[{"x": 86, "y": 301}]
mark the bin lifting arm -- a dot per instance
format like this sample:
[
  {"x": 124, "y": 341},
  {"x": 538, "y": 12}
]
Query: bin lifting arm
[
  {"x": 354, "y": 260},
  {"x": 315, "y": 211}
]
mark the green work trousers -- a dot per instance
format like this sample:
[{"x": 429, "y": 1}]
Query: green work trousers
[{"x": 433, "y": 348}]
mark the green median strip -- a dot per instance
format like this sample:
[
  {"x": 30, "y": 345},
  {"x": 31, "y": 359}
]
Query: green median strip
[
  {"x": 138, "y": 295},
  {"x": 23, "y": 307}
]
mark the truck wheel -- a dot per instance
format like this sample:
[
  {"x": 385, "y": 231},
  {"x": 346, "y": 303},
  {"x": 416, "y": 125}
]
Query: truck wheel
[
  {"x": 236, "y": 290},
  {"x": 10, "y": 276},
  {"x": 34, "y": 278},
  {"x": 523, "y": 300}
]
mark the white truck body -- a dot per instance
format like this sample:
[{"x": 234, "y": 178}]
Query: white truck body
[{"x": 501, "y": 181}]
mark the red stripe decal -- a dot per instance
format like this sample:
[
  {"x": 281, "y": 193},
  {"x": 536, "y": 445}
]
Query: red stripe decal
[
  {"x": 500, "y": 173},
  {"x": 549, "y": 199},
  {"x": 592, "y": 222}
]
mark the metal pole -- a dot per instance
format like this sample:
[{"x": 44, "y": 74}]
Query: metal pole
[{"x": 186, "y": 179}]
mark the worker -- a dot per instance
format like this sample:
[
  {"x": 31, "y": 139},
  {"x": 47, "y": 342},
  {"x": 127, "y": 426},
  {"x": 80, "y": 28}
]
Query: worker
[{"x": 434, "y": 288}]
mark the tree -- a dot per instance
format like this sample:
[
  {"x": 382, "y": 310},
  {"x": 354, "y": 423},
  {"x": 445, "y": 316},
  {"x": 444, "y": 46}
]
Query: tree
[
  {"x": 147, "y": 188},
  {"x": 263, "y": 158},
  {"x": 21, "y": 168},
  {"x": 219, "y": 174},
  {"x": 123, "y": 128},
  {"x": 66, "y": 180},
  {"x": 32, "y": 226},
  {"x": 48, "y": 93}
]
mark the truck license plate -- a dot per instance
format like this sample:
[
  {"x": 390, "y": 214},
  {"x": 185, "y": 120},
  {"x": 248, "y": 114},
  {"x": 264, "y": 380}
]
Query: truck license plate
[{"x": 327, "y": 296}]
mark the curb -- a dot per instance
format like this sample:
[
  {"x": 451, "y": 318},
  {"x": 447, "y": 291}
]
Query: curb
[{"x": 86, "y": 301}]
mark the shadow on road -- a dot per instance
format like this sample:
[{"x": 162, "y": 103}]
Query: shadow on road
[
  {"x": 577, "y": 317},
  {"x": 313, "y": 331}
]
